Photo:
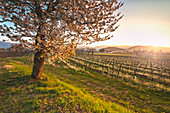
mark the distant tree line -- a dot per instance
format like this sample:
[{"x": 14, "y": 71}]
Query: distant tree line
[{"x": 86, "y": 50}]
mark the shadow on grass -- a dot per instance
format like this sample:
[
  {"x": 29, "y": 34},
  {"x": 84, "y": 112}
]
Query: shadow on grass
[
  {"x": 18, "y": 91},
  {"x": 9, "y": 79}
]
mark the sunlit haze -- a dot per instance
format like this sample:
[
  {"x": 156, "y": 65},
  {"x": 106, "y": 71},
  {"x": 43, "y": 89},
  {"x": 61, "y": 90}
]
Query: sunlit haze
[{"x": 145, "y": 22}]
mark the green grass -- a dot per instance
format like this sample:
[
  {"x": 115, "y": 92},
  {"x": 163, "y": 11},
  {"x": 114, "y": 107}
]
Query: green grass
[
  {"x": 112, "y": 54},
  {"x": 63, "y": 91},
  {"x": 76, "y": 91}
]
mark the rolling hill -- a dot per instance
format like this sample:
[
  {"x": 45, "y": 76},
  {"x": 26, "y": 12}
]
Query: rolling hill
[
  {"x": 5, "y": 44},
  {"x": 148, "y": 48},
  {"x": 132, "y": 48}
]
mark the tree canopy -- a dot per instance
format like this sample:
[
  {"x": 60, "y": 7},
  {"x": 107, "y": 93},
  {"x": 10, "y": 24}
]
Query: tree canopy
[{"x": 56, "y": 27}]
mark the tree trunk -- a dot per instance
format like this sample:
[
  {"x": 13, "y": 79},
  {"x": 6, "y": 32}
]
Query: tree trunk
[{"x": 38, "y": 65}]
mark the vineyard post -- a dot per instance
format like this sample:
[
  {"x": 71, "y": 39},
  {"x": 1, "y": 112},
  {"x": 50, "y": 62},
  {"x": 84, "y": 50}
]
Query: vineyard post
[
  {"x": 165, "y": 69},
  {"x": 79, "y": 62},
  {"x": 84, "y": 65},
  {"x": 113, "y": 65},
  {"x": 163, "y": 66},
  {"x": 128, "y": 67},
  {"x": 143, "y": 71},
  {"x": 145, "y": 68},
  {"x": 98, "y": 65},
  {"x": 104, "y": 67},
  {"x": 107, "y": 69},
  {"x": 119, "y": 69},
  {"x": 134, "y": 72},
  {"x": 160, "y": 72},
  {"x": 122, "y": 68},
  {"x": 101, "y": 68},
  {"x": 158, "y": 69},
  {"x": 89, "y": 65},
  {"x": 151, "y": 67}
]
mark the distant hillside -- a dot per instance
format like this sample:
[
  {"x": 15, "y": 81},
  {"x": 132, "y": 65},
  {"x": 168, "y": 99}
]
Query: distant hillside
[
  {"x": 5, "y": 44},
  {"x": 148, "y": 48},
  {"x": 137, "y": 48},
  {"x": 122, "y": 46},
  {"x": 127, "y": 48}
]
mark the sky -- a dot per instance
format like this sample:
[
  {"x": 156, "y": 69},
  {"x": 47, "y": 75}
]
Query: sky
[{"x": 145, "y": 22}]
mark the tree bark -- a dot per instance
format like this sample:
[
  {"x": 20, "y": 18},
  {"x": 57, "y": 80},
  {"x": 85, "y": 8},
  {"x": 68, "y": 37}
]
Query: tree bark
[{"x": 38, "y": 65}]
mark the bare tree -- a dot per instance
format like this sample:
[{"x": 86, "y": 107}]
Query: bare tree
[
  {"x": 56, "y": 27},
  {"x": 80, "y": 50},
  {"x": 92, "y": 50}
]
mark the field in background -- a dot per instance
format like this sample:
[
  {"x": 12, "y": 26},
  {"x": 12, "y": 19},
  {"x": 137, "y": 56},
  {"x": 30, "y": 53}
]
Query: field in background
[
  {"x": 111, "y": 54},
  {"x": 147, "y": 79},
  {"x": 161, "y": 56}
]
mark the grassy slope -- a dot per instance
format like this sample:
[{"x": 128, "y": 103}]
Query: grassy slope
[{"x": 20, "y": 93}]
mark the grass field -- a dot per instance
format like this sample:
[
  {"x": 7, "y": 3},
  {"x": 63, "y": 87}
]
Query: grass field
[
  {"x": 68, "y": 90},
  {"x": 58, "y": 93}
]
